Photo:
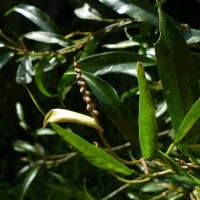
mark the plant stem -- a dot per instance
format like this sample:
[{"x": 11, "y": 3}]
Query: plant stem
[{"x": 170, "y": 148}]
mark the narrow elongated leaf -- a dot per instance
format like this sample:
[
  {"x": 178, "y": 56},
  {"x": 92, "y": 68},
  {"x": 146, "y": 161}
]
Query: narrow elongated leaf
[
  {"x": 24, "y": 71},
  {"x": 115, "y": 110},
  {"x": 4, "y": 58},
  {"x": 91, "y": 153},
  {"x": 47, "y": 37},
  {"x": 28, "y": 180},
  {"x": 62, "y": 115},
  {"x": 39, "y": 80},
  {"x": 189, "y": 121},
  {"x": 109, "y": 62},
  {"x": 176, "y": 70},
  {"x": 134, "y": 8},
  {"x": 147, "y": 119},
  {"x": 38, "y": 17},
  {"x": 171, "y": 164}
]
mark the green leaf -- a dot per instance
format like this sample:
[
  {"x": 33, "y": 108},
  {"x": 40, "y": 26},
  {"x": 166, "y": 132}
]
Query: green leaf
[
  {"x": 135, "y": 9},
  {"x": 28, "y": 180},
  {"x": 35, "y": 15},
  {"x": 109, "y": 62},
  {"x": 190, "y": 121},
  {"x": 147, "y": 119},
  {"x": 24, "y": 71},
  {"x": 176, "y": 69},
  {"x": 171, "y": 164},
  {"x": 87, "y": 195},
  {"x": 4, "y": 58},
  {"x": 91, "y": 153},
  {"x": 115, "y": 110},
  {"x": 39, "y": 73},
  {"x": 47, "y": 37}
]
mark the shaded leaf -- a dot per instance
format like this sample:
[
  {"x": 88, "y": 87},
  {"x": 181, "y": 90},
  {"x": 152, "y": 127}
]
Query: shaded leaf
[
  {"x": 86, "y": 12},
  {"x": 87, "y": 195},
  {"x": 28, "y": 180},
  {"x": 4, "y": 58},
  {"x": 35, "y": 15},
  {"x": 24, "y": 71},
  {"x": 176, "y": 69},
  {"x": 39, "y": 72},
  {"x": 116, "y": 111},
  {"x": 135, "y": 9},
  {"x": 47, "y": 37},
  {"x": 23, "y": 146},
  {"x": 171, "y": 164},
  {"x": 91, "y": 153},
  {"x": 147, "y": 120}
]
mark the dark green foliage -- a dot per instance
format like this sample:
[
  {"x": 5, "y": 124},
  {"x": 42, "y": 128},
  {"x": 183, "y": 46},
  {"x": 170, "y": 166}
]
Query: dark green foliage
[{"x": 118, "y": 134}]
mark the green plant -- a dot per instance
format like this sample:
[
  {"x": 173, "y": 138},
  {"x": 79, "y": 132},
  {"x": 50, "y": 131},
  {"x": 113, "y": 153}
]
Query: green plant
[{"x": 154, "y": 173}]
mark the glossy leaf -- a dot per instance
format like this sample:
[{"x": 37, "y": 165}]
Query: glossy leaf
[
  {"x": 23, "y": 146},
  {"x": 147, "y": 119},
  {"x": 4, "y": 58},
  {"x": 122, "y": 44},
  {"x": 176, "y": 69},
  {"x": 24, "y": 71},
  {"x": 35, "y": 15},
  {"x": 192, "y": 36},
  {"x": 62, "y": 115},
  {"x": 189, "y": 121},
  {"x": 116, "y": 111},
  {"x": 135, "y": 9},
  {"x": 86, "y": 12},
  {"x": 47, "y": 37},
  {"x": 91, "y": 153},
  {"x": 28, "y": 180},
  {"x": 104, "y": 63}
]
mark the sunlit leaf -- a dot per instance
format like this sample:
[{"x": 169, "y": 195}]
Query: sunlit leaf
[
  {"x": 86, "y": 12},
  {"x": 35, "y": 15},
  {"x": 120, "y": 45},
  {"x": 189, "y": 121},
  {"x": 4, "y": 58},
  {"x": 47, "y": 37},
  {"x": 92, "y": 153},
  {"x": 147, "y": 119},
  {"x": 62, "y": 115},
  {"x": 24, "y": 71},
  {"x": 135, "y": 9},
  {"x": 45, "y": 131},
  {"x": 28, "y": 180}
]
